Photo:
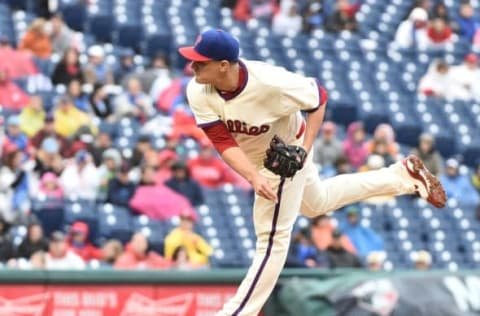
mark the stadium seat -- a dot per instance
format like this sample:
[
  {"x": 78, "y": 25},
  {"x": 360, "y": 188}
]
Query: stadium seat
[
  {"x": 75, "y": 15},
  {"x": 101, "y": 27}
]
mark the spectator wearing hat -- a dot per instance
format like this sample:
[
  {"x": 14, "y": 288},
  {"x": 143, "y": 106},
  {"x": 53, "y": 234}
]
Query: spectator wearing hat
[
  {"x": 182, "y": 183},
  {"x": 32, "y": 117},
  {"x": 36, "y": 39},
  {"x": 137, "y": 256},
  {"x": 68, "y": 119},
  {"x": 97, "y": 70},
  {"x": 355, "y": 146},
  {"x": 303, "y": 253},
  {"x": 422, "y": 260},
  {"x": 61, "y": 36},
  {"x": 78, "y": 242},
  {"x": 112, "y": 160},
  {"x": 80, "y": 178},
  {"x": 120, "y": 189},
  {"x": 34, "y": 241},
  {"x": 327, "y": 147},
  {"x": 430, "y": 156},
  {"x": 339, "y": 257},
  {"x": 197, "y": 248},
  {"x": 68, "y": 68},
  {"x": 466, "y": 24},
  {"x": 375, "y": 260},
  {"x": 60, "y": 256},
  {"x": 100, "y": 102},
  {"x": 133, "y": 102},
  {"x": 466, "y": 74},
  {"x": 457, "y": 185},
  {"x": 363, "y": 238},
  {"x": 47, "y": 131},
  {"x": 15, "y": 135},
  {"x": 11, "y": 96},
  {"x": 50, "y": 186},
  {"x": 208, "y": 170},
  {"x": 126, "y": 68},
  {"x": 412, "y": 33}
]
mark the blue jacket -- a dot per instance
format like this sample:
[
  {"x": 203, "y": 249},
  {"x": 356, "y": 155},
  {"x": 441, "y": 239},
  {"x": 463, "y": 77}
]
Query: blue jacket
[
  {"x": 467, "y": 27},
  {"x": 363, "y": 238},
  {"x": 460, "y": 188}
]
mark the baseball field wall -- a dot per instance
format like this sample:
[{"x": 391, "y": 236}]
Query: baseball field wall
[{"x": 201, "y": 293}]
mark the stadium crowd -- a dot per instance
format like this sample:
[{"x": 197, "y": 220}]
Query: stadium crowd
[{"x": 63, "y": 149}]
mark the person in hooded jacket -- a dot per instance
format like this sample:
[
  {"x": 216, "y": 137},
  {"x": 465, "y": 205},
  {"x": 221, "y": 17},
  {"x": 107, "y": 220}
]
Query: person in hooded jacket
[
  {"x": 79, "y": 244},
  {"x": 355, "y": 146},
  {"x": 33, "y": 242},
  {"x": 182, "y": 183}
]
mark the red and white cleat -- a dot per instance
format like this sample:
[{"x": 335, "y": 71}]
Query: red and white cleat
[{"x": 426, "y": 184}]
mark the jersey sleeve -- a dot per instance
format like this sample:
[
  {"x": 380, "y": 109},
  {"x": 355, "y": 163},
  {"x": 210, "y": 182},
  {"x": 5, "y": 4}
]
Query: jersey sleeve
[
  {"x": 298, "y": 93},
  {"x": 204, "y": 114}
]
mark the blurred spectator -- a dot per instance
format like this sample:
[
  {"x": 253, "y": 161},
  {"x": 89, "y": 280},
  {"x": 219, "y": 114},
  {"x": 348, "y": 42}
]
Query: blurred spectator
[
  {"x": 134, "y": 102},
  {"x": 466, "y": 25},
  {"x": 197, "y": 248},
  {"x": 380, "y": 149},
  {"x": 162, "y": 163},
  {"x": 48, "y": 158},
  {"x": 50, "y": 186},
  {"x": 120, "y": 189},
  {"x": 100, "y": 102},
  {"x": 375, "y": 260},
  {"x": 68, "y": 119},
  {"x": 60, "y": 257},
  {"x": 259, "y": 9},
  {"x": 145, "y": 200},
  {"x": 439, "y": 33},
  {"x": 35, "y": 261},
  {"x": 440, "y": 10},
  {"x": 61, "y": 35},
  {"x": 287, "y": 20},
  {"x": 439, "y": 82},
  {"x": 313, "y": 17},
  {"x": 342, "y": 166},
  {"x": 426, "y": 151},
  {"x": 363, "y": 238},
  {"x": 207, "y": 169},
  {"x": 457, "y": 185},
  {"x": 182, "y": 183},
  {"x": 157, "y": 77},
  {"x": 18, "y": 63},
  {"x": 175, "y": 92},
  {"x": 412, "y": 33},
  {"x": 339, "y": 257},
  {"x": 385, "y": 135},
  {"x": 36, "y": 39},
  {"x": 342, "y": 19},
  {"x": 476, "y": 178},
  {"x": 422, "y": 260},
  {"x": 321, "y": 231},
  {"x": 466, "y": 74},
  {"x": 68, "y": 68},
  {"x": 6, "y": 244},
  {"x": 79, "y": 244},
  {"x": 97, "y": 70},
  {"x": 32, "y": 117},
  {"x": 181, "y": 261},
  {"x": 11, "y": 96},
  {"x": 143, "y": 146},
  {"x": 34, "y": 241},
  {"x": 112, "y": 249},
  {"x": 355, "y": 146},
  {"x": 14, "y": 186},
  {"x": 126, "y": 67},
  {"x": 47, "y": 131},
  {"x": 15, "y": 135},
  {"x": 112, "y": 160},
  {"x": 78, "y": 97},
  {"x": 302, "y": 253},
  {"x": 137, "y": 256},
  {"x": 327, "y": 147},
  {"x": 102, "y": 142},
  {"x": 80, "y": 178}
]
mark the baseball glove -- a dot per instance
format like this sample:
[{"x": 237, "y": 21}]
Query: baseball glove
[{"x": 284, "y": 160}]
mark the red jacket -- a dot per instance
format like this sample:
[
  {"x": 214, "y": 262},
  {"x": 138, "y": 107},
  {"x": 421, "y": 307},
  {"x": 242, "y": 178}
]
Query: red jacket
[
  {"x": 210, "y": 173},
  {"x": 152, "y": 260},
  {"x": 439, "y": 37}
]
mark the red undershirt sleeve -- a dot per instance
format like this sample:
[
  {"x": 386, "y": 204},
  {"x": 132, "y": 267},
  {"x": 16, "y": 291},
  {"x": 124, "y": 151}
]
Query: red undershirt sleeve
[{"x": 220, "y": 136}]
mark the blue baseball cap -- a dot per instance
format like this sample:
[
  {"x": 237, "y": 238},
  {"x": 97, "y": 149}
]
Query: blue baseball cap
[{"x": 212, "y": 45}]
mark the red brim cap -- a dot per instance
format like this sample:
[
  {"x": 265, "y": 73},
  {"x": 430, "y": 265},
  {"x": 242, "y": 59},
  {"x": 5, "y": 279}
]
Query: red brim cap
[{"x": 189, "y": 53}]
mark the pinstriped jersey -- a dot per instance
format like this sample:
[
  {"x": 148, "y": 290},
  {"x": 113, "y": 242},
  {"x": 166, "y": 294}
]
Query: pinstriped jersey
[{"x": 269, "y": 104}]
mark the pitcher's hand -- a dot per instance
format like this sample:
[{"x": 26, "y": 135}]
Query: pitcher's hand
[{"x": 263, "y": 188}]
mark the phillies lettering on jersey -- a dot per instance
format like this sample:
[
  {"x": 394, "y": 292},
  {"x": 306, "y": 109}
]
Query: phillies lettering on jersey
[{"x": 236, "y": 126}]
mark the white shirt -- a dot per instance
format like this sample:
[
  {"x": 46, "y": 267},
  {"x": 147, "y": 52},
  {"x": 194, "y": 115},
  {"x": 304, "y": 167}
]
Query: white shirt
[
  {"x": 71, "y": 261},
  {"x": 269, "y": 104},
  {"x": 80, "y": 184}
]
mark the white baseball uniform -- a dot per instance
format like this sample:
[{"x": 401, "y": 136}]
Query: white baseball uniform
[{"x": 269, "y": 104}]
